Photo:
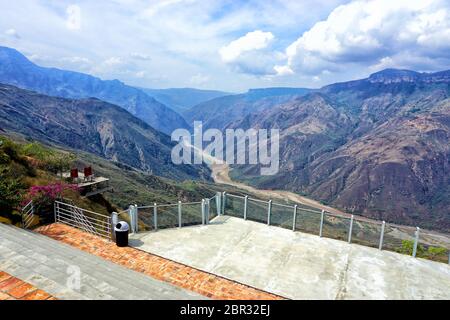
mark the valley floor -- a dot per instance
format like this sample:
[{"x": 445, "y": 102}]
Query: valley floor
[{"x": 297, "y": 265}]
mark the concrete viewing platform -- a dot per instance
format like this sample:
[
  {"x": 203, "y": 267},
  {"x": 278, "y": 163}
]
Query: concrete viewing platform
[{"x": 297, "y": 265}]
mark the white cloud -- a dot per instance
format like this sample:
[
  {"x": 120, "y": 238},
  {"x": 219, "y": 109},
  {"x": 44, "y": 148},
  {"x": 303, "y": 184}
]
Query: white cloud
[
  {"x": 199, "y": 79},
  {"x": 141, "y": 56},
  {"x": 36, "y": 58},
  {"x": 112, "y": 65},
  {"x": 160, "y": 5},
  {"x": 141, "y": 74},
  {"x": 75, "y": 60},
  {"x": 81, "y": 64},
  {"x": 113, "y": 61},
  {"x": 255, "y": 40},
  {"x": 283, "y": 70},
  {"x": 252, "y": 54},
  {"x": 369, "y": 32},
  {"x": 73, "y": 21},
  {"x": 12, "y": 33}
]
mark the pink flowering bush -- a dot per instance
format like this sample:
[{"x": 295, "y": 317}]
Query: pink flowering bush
[
  {"x": 52, "y": 191},
  {"x": 44, "y": 196}
]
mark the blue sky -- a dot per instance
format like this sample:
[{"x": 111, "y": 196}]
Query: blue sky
[{"x": 230, "y": 45}]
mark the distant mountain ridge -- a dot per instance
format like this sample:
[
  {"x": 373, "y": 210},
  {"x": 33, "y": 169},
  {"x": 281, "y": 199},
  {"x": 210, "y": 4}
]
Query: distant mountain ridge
[
  {"x": 219, "y": 112},
  {"x": 94, "y": 126},
  {"x": 181, "y": 99},
  {"x": 17, "y": 70},
  {"x": 393, "y": 76},
  {"x": 276, "y": 91}
]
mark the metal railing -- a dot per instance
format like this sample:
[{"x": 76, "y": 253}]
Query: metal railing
[
  {"x": 350, "y": 228},
  {"x": 295, "y": 217},
  {"x": 89, "y": 221},
  {"x": 27, "y": 213},
  {"x": 174, "y": 215}
]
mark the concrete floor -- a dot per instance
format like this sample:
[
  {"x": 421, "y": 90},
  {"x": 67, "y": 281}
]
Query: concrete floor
[{"x": 298, "y": 265}]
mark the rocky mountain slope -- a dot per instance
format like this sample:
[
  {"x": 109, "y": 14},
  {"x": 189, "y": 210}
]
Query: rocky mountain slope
[
  {"x": 17, "y": 70},
  {"x": 378, "y": 146},
  {"x": 94, "y": 126},
  {"x": 218, "y": 113}
]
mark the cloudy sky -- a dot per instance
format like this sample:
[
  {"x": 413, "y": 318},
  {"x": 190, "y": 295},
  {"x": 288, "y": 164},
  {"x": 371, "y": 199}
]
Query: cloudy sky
[{"x": 230, "y": 45}]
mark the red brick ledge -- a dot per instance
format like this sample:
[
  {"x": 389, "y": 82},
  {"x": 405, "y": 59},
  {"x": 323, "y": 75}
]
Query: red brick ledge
[
  {"x": 12, "y": 288},
  {"x": 184, "y": 276}
]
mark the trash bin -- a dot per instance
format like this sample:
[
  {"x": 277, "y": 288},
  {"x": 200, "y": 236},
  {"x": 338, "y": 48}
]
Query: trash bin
[{"x": 121, "y": 229}]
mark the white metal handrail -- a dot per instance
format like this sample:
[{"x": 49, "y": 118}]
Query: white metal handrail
[
  {"x": 235, "y": 196},
  {"x": 86, "y": 220},
  {"x": 92, "y": 224},
  {"x": 256, "y": 200},
  {"x": 69, "y": 212},
  {"x": 283, "y": 205},
  {"x": 84, "y": 210},
  {"x": 72, "y": 224},
  {"x": 187, "y": 203},
  {"x": 167, "y": 205}
]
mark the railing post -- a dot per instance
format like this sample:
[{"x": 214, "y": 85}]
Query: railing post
[
  {"x": 132, "y": 218},
  {"x": 54, "y": 209},
  {"x": 380, "y": 246},
  {"x": 207, "y": 211},
  {"x": 179, "y": 214},
  {"x": 321, "y": 222},
  {"x": 269, "y": 212},
  {"x": 294, "y": 222},
  {"x": 245, "y": 207},
  {"x": 224, "y": 201},
  {"x": 131, "y": 215},
  {"x": 350, "y": 230},
  {"x": 218, "y": 202},
  {"x": 155, "y": 216},
  {"x": 136, "y": 220},
  {"x": 203, "y": 211},
  {"x": 416, "y": 242},
  {"x": 114, "y": 221}
]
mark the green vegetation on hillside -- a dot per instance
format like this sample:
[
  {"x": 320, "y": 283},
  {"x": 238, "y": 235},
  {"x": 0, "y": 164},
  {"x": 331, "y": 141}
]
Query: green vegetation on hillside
[{"x": 31, "y": 170}]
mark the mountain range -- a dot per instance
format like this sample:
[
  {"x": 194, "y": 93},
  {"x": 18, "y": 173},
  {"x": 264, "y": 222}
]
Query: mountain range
[
  {"x": 219, "y": 112},
  {"x": 94, "y": 126},
  {"x": 377, "y": 146},
  {"x": 182, "y": 99},
  {"x": 17, "y": 70}
]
